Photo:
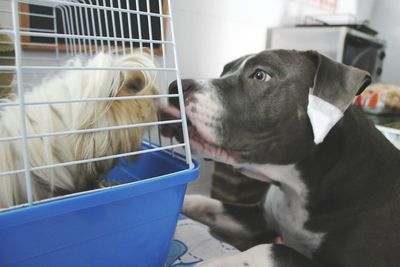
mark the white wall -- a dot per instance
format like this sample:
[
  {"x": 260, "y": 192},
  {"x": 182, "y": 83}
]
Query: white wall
[
  {"x": 210, "y": 33},
  {"x": 5, "y": 14},
  {"x": 385, "y": 19}
]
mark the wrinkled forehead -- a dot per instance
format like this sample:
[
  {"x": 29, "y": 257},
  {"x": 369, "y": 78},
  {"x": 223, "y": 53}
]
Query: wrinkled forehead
[
  {"x": 275, "y": 58},
  {"x": 235, "y": 65}
]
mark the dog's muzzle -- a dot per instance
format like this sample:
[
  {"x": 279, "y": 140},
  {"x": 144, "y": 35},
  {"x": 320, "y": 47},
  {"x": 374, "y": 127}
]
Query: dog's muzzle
[
  {"x": 204, "y": 114},
  {"x": 172, "y": 111}
]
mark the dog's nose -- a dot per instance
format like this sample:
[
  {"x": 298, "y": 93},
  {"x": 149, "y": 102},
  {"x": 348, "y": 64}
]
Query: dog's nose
[{"x": 187, "y": 85}]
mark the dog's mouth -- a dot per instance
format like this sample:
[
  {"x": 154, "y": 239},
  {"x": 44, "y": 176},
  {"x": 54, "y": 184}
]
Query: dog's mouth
[{"x": 200, "y": 144}]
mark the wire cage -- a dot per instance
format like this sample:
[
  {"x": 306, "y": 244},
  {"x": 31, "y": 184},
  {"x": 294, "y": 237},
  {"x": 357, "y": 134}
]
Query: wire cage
[{"x": 41, "y": 40}]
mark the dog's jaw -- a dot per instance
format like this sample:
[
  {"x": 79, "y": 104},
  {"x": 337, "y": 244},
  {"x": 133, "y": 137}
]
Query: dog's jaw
[{"x": 201, "y": 141}]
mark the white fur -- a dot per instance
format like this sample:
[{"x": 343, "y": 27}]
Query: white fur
[
  {"x": 74, "y": 84},
  {"x": 323, "y": 116},
  {"x": 285, "y": 206},
  {"x": 258, "y": 256},
  {"x": 205, "y": 113}
]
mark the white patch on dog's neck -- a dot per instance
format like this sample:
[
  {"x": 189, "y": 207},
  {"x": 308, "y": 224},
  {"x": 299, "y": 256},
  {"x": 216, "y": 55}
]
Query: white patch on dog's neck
[
  {"x": 285, "y": 206},
  {"x": 285, "y": 174},
  {"x": 323, "y": 116}
]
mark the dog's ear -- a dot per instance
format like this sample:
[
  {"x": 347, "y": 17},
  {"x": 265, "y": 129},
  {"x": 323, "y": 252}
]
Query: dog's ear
[{"x": 335, "y": 86}]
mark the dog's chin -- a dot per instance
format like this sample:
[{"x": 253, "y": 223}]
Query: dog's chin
[{"x": 200, "y": 145}]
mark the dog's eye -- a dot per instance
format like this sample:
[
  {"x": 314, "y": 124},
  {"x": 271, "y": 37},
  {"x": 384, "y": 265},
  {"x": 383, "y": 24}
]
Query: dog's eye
[{"x": 261, "y": 75}]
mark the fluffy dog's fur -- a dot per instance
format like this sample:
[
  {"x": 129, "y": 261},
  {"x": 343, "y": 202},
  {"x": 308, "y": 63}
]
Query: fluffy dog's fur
[{"x": 76, "y": 84}]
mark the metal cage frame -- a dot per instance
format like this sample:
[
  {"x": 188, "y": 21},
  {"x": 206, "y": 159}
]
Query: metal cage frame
[{"x": 78, "y": 41}]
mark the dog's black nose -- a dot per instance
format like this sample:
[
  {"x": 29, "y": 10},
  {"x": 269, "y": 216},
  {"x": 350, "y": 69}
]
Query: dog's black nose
[{"x": 187, "y": 85}]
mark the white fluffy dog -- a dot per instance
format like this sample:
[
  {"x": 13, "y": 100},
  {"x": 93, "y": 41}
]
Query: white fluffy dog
[{"x": 76, "y": 84}]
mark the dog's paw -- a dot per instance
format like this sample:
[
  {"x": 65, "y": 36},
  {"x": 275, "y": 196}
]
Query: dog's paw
[
  {"x": 214, "y": 214},
  {"x": 201, "y": 208}
]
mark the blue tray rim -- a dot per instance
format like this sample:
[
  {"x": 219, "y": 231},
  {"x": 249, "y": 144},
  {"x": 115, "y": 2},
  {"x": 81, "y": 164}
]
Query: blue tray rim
[{"x": 93, "y": 198}]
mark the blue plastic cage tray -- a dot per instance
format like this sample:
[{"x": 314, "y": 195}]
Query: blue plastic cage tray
[{"x": 128, "y": 225}]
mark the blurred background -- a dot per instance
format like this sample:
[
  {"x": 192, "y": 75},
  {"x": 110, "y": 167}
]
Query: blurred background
[{"x": 210, "y": 33}]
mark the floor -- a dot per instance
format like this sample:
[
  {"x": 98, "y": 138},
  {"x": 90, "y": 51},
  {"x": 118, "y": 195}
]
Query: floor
[{"x": 202, "y": 184}]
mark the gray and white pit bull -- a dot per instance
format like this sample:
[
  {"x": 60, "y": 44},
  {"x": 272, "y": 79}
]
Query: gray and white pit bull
[{"x": 285, "y": 117}]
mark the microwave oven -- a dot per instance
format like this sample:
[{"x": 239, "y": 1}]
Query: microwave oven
[{"x": 344, "y": 44}]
